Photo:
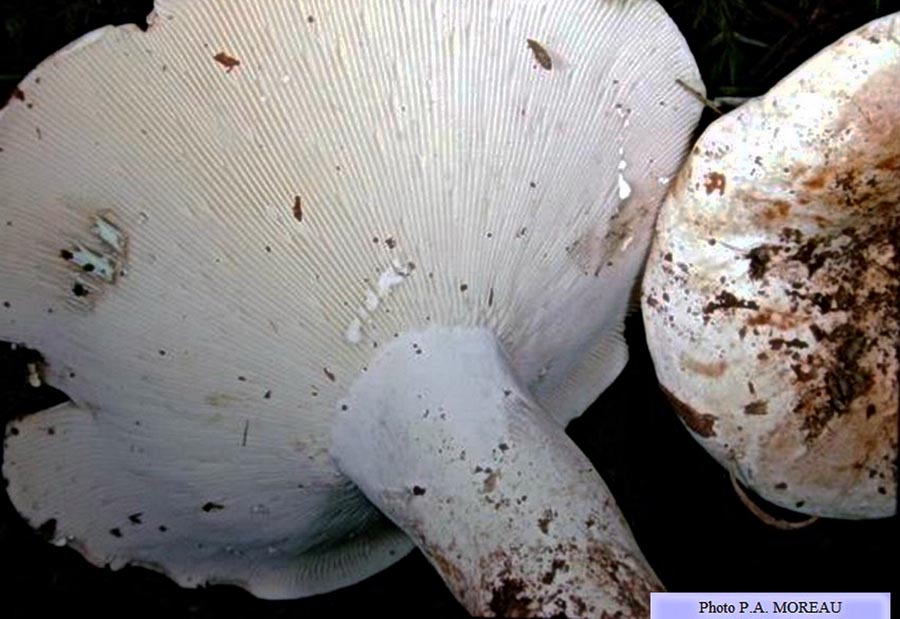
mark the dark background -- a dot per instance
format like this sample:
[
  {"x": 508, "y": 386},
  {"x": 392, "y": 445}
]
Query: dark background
[{"x": 679, "y": 502}]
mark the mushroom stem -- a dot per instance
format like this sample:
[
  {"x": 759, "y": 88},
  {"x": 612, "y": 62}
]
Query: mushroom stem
[{"x": 440, "y": 435}]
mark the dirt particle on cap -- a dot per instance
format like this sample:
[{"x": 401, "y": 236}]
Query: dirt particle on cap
[
  {"x": 209, "y": 506},
  {"x": 298, "y": 208},
  {"x": 556, "y": 566},
  {"x": 541, "y": 56},
  {"x": 545, "y": 520},
  {"x": 508, "y": 600},
  {"x": 759, "y": 258},
  {"x": 757, "y": 407},
  {"x": 726, "y": 300},
  {"x": 329, "y": 374},
  {"x": 418, "y": 490},
  {"x": 229, "y": 62},
  {"x": 715, "y": 181},
  {"x": 490, "y": 482}
]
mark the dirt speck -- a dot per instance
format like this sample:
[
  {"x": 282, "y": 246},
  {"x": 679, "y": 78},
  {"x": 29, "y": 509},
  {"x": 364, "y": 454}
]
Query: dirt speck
[
  {"x": 508, "y": 600},
  {"x": 726, "y": 300},
  {"x": 759, "y": 258},
  {"x": 545, "y": 520},
  {"x": 715, "y": 181},
  {"x": 229, "y": 62},
  {"x": 490, "y": 482},
  {"x": 757, "y": 407},
  {"x": 541, "y": 56}
]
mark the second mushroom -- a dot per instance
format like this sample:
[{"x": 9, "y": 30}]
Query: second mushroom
[{"x": 772, "y": 293}]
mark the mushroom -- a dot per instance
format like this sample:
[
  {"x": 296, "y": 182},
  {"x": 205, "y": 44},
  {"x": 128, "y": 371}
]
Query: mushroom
[
  {"x": 325, "y": 284},
  {"x": 772, "y": 289}
]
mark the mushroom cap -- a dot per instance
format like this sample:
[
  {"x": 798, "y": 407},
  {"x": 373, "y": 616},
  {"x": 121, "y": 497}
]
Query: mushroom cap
[
  {"x": 208, "y": 228},
  {"x": 772, "y": 290}
]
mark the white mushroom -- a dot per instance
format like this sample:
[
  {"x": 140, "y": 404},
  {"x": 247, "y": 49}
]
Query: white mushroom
[
  {"x": 290, "y": 264},
  {"x": 772, "y": 291}
]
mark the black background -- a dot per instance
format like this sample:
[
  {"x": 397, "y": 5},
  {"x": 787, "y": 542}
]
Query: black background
[{"x": 679, "y": 502}]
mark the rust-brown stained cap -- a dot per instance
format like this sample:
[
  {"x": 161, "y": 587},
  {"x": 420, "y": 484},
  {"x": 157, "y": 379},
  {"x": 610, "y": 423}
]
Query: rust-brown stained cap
[{"x": 772, "y": 293}]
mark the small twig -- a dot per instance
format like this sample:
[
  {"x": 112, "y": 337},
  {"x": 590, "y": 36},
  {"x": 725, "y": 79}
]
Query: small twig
[
  {"x": 892, "y": 36},
  {"x": 732, "y": 102},
  {"x": 815, "y": 13},
  {"x": 750, "y": 41},
  {"x": 764, "y": 516},
  {"x": 780, "y": 13},
  {"x": 699, "y": 96}
]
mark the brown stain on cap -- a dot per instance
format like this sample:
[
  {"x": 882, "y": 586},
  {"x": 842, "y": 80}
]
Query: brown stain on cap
[
  {"x": 711, "y": 370},
  {"x": 700, "y": 423}
]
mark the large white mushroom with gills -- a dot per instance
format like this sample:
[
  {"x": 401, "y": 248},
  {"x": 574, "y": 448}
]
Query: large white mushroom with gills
[
  {"x": 323, "y": 284},
  {"x": 772, "y": 292}
]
